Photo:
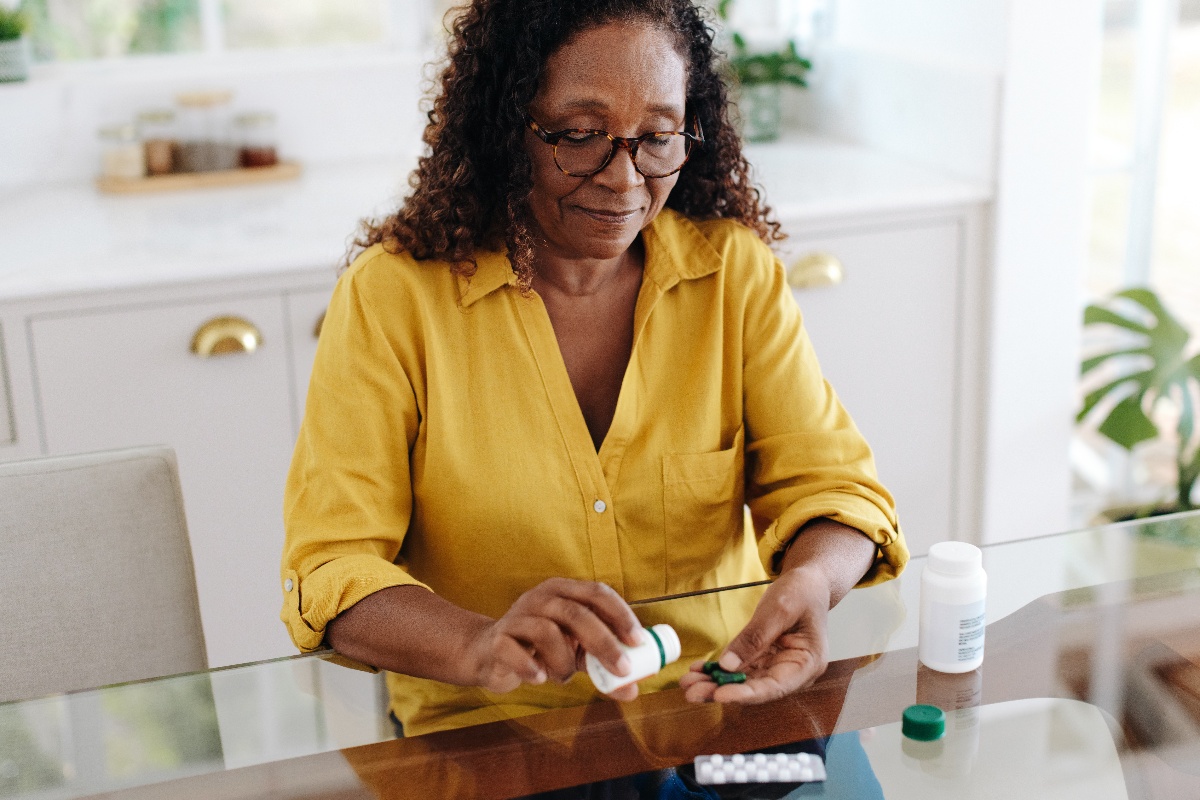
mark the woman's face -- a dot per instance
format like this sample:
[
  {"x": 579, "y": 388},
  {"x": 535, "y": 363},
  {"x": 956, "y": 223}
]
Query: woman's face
[{"x": 625, "y": 78}]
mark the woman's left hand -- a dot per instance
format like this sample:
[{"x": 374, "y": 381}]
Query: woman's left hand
[{"x": 783, "y": 648}]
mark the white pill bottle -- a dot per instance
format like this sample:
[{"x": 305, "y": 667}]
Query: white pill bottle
[
  {"x": 659, "y": 646},
  {"x": 953, "y": 594}
]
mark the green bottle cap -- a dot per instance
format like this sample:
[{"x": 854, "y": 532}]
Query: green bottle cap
[{"x": 923, "y": 723}]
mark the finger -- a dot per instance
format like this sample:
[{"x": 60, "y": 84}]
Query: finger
[
  {"x": 691, "y": 678},
  {"x": 776, "y": 612},
  {"x": 502, "y": 681},
  {"x": 510, "y": 655},
  {"x": 700, "y": 692},
  {"x": 754, "y": 690},
  {"x": 604, "y": 603},
  {"x": 625, "y": 693},
  {"x": 592, "y": 633},
  {"x": 553, "y": 648}
]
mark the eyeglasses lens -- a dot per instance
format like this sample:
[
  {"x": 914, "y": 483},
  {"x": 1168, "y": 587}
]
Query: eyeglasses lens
[{"x": 657, "y": 156}]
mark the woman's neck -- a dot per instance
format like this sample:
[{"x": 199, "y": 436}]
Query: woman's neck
[{"x": 577, "y": 277}]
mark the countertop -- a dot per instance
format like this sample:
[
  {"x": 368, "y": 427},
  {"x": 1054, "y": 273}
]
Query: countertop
[{"x": 70, "y": 238}]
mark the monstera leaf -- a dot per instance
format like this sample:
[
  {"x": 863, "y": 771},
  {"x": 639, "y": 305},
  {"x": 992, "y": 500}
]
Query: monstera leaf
[
  {"x": 1165, "y": 365},
  {"x": 1148, "y": 371}
]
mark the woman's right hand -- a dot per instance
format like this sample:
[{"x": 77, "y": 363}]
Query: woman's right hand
[{"x": 546, "y": 633}]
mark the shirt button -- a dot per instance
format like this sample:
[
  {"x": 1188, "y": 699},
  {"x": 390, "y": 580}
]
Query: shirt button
[
  {"x": 287, "y": 585},
  {"x": 599, "y": 506}
]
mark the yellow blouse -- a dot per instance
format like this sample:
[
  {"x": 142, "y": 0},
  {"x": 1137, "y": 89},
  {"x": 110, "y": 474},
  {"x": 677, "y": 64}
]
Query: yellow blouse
[{"x": 442, "y": 445}]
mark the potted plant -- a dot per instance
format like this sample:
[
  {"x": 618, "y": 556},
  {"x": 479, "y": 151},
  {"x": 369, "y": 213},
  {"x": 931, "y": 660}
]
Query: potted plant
[
  {"x": 1153, "y": 371},
  {"x": 759, "y": 78},
  {"x": 14, "y": 61}
]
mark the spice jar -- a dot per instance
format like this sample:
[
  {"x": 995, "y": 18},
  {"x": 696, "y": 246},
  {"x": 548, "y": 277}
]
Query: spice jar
[
  {"x": 205, "y": 144},
  {"x": 255, "y": 135},
  {"x": 159, "y": 140},
  {"x": 121, "y": 153}
]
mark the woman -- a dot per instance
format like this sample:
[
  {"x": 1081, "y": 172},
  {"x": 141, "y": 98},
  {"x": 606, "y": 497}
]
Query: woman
[{"x": 549, "y": 383}]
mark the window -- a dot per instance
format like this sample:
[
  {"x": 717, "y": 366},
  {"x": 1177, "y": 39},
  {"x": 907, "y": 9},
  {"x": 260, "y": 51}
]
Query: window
[
  {"x": 65, "y": 30},
  {"x": 1145, "y": 221}
]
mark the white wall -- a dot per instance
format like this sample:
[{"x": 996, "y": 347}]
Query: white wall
[
  {"x": 940, "y": 116},
  {"x": 1051, "y": 81},
  {"x": 970, "y": 35},
  {"x": 331, "y": 106},
  {"x": 999, "y": 91}
]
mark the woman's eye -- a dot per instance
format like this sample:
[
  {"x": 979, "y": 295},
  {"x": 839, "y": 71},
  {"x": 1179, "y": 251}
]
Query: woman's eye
[
  {"x": 578, "y": 137},
  {"x": 659, "y": 140}
]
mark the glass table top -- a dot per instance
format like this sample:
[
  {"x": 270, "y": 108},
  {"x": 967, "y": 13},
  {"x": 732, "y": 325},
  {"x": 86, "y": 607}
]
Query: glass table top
[{"x": 1090, "y": 688}]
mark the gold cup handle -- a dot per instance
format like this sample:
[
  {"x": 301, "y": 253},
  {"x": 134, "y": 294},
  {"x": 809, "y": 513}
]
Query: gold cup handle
[
  {"x": 814, "y": 270},
  {"x": 226, "y": 335}
]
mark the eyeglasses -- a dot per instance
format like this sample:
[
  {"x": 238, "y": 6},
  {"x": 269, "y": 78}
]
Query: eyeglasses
[{"x": 580, "y": 152}]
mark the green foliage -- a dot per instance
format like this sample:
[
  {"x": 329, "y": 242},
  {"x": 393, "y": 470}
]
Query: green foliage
[
  {"x": 781, "y": 66},
  {"x": 165, "y": 26},
  {"x": 85, "y": 30},
  {"x": 27, "y": 767},
  {"x": 754, "y": 69},
  {"x": 13, "y": 24},
  {"x": 168, "y": 724},
  {"x": 1156, "y": 370}
]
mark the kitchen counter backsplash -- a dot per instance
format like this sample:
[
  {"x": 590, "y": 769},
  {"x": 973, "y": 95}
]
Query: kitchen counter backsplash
[{"x": 329, "y": 108}]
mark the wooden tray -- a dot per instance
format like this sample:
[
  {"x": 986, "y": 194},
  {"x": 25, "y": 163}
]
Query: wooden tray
[{"x": 283, "y": 171}]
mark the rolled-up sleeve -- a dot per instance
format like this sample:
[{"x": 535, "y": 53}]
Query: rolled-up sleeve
[
  {"x": 348, "y": 499},
  {"x": 805, "y": 457}
]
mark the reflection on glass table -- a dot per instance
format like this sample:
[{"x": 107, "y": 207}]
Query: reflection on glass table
[{"x": 1090, "y": 688}]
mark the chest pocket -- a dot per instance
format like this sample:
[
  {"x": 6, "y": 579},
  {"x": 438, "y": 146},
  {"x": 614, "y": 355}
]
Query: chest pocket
[{"x": 703, "y": 497}]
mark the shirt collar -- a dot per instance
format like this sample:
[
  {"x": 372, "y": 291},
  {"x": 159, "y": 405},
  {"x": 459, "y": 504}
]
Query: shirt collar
[
  {"x": 492, "y": 270},
  {"x": 675, "y": 250}
]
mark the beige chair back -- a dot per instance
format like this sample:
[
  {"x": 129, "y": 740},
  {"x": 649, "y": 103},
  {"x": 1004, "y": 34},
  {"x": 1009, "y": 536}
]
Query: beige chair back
[{"x": 96, "y": 579}]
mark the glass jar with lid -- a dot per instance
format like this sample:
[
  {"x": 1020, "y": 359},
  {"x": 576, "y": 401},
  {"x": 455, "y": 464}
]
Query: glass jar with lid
[
  {"x": 121, "y": 153},
  {"x": 254, "y": 132},
  {"x": 205, "y": 141},
  {"x": 160, "y": 139}
]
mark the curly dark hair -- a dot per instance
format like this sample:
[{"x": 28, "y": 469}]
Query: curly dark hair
[{"x": 471, "y": 189}]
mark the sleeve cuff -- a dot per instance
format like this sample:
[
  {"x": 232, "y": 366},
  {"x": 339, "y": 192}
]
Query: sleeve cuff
[
  {"x": 857, "y": 512},
  {"x": 332, "y": 588}
]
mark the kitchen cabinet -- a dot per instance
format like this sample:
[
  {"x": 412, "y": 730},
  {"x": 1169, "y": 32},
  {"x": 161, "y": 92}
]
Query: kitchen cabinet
[
  {"x": 118, "y": 370},
  {"x": 893, "y": 335}
]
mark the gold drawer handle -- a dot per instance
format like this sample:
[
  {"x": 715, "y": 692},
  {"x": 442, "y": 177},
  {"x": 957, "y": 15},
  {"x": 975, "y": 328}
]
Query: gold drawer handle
[
  {"x": 319, "y": 325},
  {"x": 814, "y": 270},
  {"x": 225, "y": 335}
]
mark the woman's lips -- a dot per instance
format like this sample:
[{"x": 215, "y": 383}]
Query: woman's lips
[{"x": 609, "y": 217}]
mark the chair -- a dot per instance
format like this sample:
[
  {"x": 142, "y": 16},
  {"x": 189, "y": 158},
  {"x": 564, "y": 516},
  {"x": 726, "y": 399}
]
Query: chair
[{"x": 96, "y": 579}]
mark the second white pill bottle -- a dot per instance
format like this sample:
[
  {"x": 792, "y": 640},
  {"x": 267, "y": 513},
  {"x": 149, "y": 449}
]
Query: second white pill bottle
[
  {"x": 659, "y": 647},
  {"x": 953, "y": 595}
]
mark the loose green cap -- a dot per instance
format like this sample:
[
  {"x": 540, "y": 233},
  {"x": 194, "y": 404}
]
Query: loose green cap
[{"x": 923, "y": 723}]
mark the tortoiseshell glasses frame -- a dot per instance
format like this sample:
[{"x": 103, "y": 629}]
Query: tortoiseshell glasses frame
[{"x": 580, "y": 137}]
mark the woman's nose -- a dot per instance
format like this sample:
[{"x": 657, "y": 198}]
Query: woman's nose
[{"x": 620, "y": 174}]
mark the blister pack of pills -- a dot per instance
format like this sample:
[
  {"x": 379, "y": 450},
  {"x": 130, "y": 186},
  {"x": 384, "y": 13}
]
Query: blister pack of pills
[{"x": 760, "y": 768}]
